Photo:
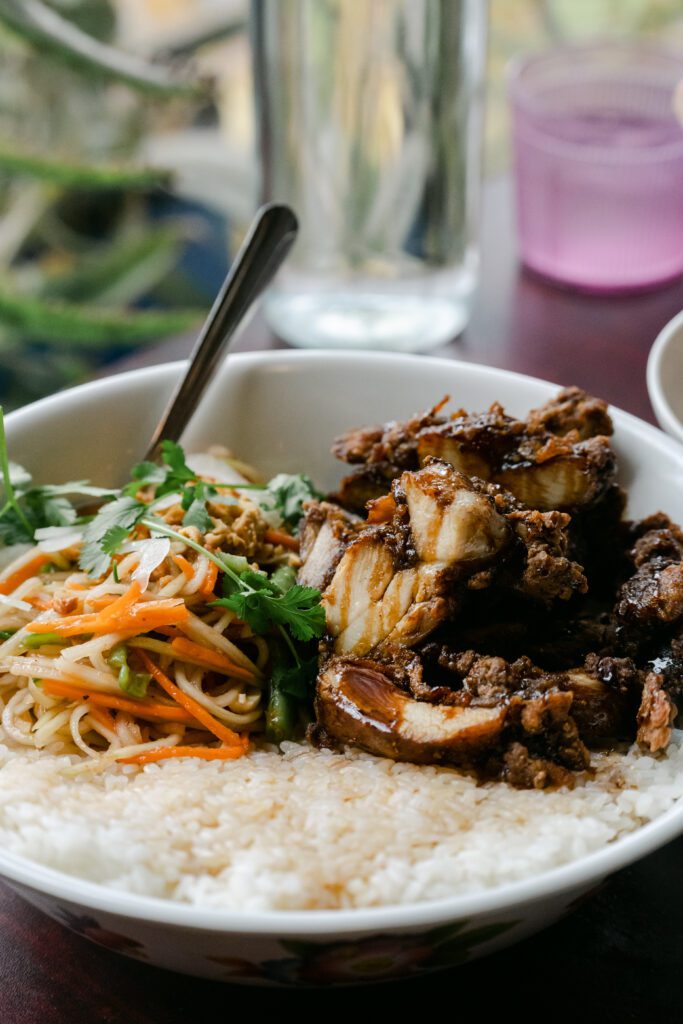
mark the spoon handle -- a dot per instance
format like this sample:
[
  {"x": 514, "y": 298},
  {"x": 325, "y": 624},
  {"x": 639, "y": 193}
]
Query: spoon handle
[{"x": 270, "y": 238}]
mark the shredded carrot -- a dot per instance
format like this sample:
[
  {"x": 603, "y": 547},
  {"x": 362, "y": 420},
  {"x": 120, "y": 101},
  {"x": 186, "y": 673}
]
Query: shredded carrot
[
  {"x": 207, "y": 658},
  {"x": 141, "y": 708},
  {"x": 39, "y": 603},
  {"x": 201, "y": 714},
  {"x": 122, "y": 604},
  {"x": 280, "y": 537},
  {"x": 171, "y": 631},
  {"x": 209, "y": 583},
  {"x": 20, "y": 576},
  {"x": 185, "y": 567},
  {"x": 101, "y": 602},
  {"x": 76, "y": 586},
  {"x": 162, "y": 753},
  {"x": 140, "y": 618},
  {"x": 102, "y": 716},
  {"x": 149, "y": 615}
]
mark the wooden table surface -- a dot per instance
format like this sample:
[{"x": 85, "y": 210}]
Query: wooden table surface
[{"x": 617, "y": 957}]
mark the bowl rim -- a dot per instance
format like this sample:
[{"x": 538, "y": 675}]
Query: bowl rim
[
  {"x": 666, "y": 417},
  {"x": 579, "y": 873}
]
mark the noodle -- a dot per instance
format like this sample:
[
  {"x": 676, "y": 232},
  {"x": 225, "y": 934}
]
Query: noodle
[{"x": 77, "y": 689}]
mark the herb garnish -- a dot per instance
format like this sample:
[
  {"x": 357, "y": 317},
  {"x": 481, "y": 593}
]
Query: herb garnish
[
  {"x": 25, "y": 508},
  {"x": 289, "y": 492},
  {"x": 274, "y": 605}
]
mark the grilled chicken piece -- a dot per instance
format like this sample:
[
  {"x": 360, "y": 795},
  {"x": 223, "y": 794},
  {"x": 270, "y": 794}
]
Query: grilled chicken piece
[
  {"x": 542, "y": 470},
  {"x": 558, "y": 458},
  {"x": 326, "y": 533},
  {"x": 383, "y": 453},
  {"x": 393, "y": 583},
  {"x": 357, "y": 702},
  {"x": 543, "y": 571},
  {"x": 572, "y": 410}
]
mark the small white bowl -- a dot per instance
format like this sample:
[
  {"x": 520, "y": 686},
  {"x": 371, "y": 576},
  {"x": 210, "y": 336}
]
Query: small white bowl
[
  {"x": 280, "y": 410},
  {"x": 665, "y": 377}
]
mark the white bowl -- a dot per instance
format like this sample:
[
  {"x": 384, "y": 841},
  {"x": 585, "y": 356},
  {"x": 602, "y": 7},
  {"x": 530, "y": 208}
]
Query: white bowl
[
  {"x": 665, "y": 377},
  {"x": 280, "y": 411}
]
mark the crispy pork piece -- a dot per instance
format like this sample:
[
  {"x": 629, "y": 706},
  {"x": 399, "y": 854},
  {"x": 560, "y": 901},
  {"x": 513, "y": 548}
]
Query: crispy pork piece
[
  {"x": 600, "y": 689},
  {"x": 656, "y": 714},
  {"x": 326, "y": 533},
  {"x": 547, "y": 573},
  {"x": 649, "y": 606},
  {"x": 543, "y": 470},
  {"x": 395, "y": 581},
  {"x": 572, "y": 410},
  {"x": 653, "y": 596},
  {"x": 382, "y": 453},
  {"x": 393, "y": 442},
  {"x": 655, "y": 537}
]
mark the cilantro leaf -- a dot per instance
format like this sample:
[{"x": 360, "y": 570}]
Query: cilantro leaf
[
  {"x": 148, "y": 471},
  {"x": 260, "y": 602},
  {"x": 197, "y": 515},
  {"x": 301, "y": 612},
  {"x": 13, "y": 530},
  {"x": 295, "y": 680},
  {"x": 25, "y": 508},
  {"x": 174, "y": 458},
  {"x": 107, "y": 531},
  {"x": 113, "y": 539},
  {"x": 175, "y": 475},
  {"x": 18, "y": 476},
  {"x": 144, "y": 474},
  {"x": 290, "y": 491},
  {"x": 178, "y": 473}
]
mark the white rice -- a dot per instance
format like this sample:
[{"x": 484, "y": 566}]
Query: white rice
[{"x": 313, "y": 829}]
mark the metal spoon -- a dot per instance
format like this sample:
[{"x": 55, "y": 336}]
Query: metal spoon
[{"x": 270, "y": 238}]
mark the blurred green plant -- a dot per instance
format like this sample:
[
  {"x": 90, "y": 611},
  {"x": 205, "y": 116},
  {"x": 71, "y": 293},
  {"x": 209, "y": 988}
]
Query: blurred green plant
[{"x": 77, "y": 248}]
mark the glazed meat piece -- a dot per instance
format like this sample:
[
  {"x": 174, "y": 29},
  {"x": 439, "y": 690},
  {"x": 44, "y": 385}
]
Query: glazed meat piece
[
  {"x": 383, "y": 453},
  {"x": 325, "y": 534},
  {"x": 653, "y": 596},
  {"x": 543, "y": 470},
  {"x": 537, "y": 564},
  {"x": 656, "y": 714},
  {"x": 395, "y": 581},
  {"x": 392, "y": 443},
  {"x": 494, "y": 621},
  {"x": 655, "y": 537},
  {"x": 358, "y": 702},
  {"x": 572, "y": 410},
  {"x": 650, "y": 602},
  {"x": 547, "y": 573},
  {"x": 600, "y": 697},
  {"x": 559, "y": 458}
]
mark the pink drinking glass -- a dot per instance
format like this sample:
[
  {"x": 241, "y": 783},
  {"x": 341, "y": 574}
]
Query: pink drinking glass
[{"x": 598, "y": 155}]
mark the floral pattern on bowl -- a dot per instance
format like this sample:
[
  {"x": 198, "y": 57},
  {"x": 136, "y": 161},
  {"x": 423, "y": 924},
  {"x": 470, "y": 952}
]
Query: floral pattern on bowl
[{"x": 376, "y": 958}]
